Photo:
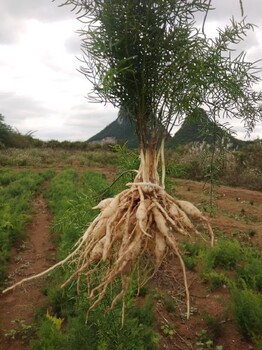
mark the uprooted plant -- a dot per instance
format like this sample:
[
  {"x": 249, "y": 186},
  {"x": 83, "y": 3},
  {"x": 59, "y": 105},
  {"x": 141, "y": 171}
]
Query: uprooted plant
[{"x": 151, "y": 59}]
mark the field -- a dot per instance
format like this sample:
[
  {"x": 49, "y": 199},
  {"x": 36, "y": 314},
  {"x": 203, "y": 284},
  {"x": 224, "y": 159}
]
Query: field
[{"x": 46, "y": 200}]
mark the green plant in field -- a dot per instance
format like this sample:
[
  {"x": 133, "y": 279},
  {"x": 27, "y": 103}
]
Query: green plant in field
[
  {"x": 17, "y": 190},
  {"x": 102, "y": 330},
  {"x": 251, "y": 273},
  {"x": 131, "y": 49},
  {"x": 191, "y": 254},
  {"x": 226, "y": 254},
  {"x": 215, "y": 279},
  {"x": 204, "y": 341},
  {"x": 49, "y": 337},
  {"x": 247, "y": 309},
  {"x": 168, "y": 329},
  {"x": 169, "y": 303},
  {"x": 213, "y": 324},
  {"x": 21, "y": 330}
]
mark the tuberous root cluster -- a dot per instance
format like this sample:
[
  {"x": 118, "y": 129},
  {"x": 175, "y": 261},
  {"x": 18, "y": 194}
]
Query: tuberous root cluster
[{"x": 134, "y": 231}]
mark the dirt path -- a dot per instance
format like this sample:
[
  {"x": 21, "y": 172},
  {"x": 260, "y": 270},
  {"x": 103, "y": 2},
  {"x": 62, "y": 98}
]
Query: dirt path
[{"x": 18, "y": 308}]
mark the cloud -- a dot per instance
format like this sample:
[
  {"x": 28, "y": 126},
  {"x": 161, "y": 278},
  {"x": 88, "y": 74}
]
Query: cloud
[
  {"x": 225, "y": 9},
  {"x": 41, "y": 88},
  {"x": 15, "y": 14},
  {"x": 78, "y": 122},
  {"x": 45, "y": 10}
]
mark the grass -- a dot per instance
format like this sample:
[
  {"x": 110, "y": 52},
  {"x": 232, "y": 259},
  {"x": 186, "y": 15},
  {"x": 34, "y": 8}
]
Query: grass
[
  {"x": 71, "y": 197},
  {"x": 247, "y": 310},
  {"x": 17, "y": 190},
  {"x": 238, "y": 266},
  {"x": 58, "y": 158},
  {"x": 226, "y": 254}
]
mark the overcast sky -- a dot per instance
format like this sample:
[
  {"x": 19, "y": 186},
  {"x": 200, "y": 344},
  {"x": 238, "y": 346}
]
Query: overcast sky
[{"x": 41, "y": 89}]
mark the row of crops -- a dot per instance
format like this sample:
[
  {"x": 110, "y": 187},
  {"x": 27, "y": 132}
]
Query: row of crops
[
  {"x": 70, "y": 196},
  {"x": 17, "y": 189}
]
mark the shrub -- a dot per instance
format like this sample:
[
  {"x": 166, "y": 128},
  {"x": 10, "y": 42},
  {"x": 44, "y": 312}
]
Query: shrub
[
  {"x": 247, "y": 309},
  {"x": 226, "y": 254},
  {"x": 251, "y": 273}
]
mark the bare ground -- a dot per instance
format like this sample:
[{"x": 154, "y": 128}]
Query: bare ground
[
  {"x": 18, "y": 308},
  {"x": 238, "y": 212}
]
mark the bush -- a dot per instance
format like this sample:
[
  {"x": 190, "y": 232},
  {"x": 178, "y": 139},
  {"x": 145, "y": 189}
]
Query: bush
[
  {"x": 226, "y": 254},
  {"x": 251, "y": 273},
  {"x": 247, "y": 309}
]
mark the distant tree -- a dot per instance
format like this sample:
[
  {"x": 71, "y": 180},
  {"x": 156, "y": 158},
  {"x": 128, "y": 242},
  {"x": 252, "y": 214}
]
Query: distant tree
[
  {"x": 152, "y": 59},
  {"x": 5, "y": 131}
]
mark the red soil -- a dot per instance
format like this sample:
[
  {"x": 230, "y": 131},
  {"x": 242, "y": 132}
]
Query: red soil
[{"x": 33, "y": 256}]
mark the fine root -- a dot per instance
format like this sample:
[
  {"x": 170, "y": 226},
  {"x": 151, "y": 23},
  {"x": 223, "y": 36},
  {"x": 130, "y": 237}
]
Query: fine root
[{"x": 140, "y": 225}]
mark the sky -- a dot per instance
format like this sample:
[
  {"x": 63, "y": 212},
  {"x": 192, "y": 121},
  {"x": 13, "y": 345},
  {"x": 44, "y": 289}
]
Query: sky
[{"x": 41, "y": 89}]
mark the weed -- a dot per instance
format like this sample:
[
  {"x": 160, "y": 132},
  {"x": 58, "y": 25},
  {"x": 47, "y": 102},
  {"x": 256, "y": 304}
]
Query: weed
[
  {"x": 191, "y": 254},
  {"x": 193, "y": 311},
  {"x": 215, "y": 279},
  {"x": 21, "y": 330},
  {"x": 16, "y": 193},
  {"x": 205, "y": 341},
  {"x": 251, "y": 273},
  {"x": 71, "y": 205},
  {"x": 247, "y": 309},
  {"x": 168, "y": 302},
  {"x": 226, "y": 254},
  {"x": 214, "y": 326},
  {"x": 168, "y": 329}
]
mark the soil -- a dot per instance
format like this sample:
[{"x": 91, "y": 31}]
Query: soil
[
  {"x": 237, "y": 213},
  {"x": 19, "y": 307}
]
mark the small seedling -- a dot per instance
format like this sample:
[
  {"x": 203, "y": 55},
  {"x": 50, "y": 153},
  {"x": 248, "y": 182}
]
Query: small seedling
[
  {"x": 168, "y": 329},
  {"x": 204, "y": 341},
  {"x": 21, "y": 330}
]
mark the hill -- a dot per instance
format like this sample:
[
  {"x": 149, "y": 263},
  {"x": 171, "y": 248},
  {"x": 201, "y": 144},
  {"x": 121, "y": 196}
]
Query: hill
[
  {"x": 196, "y": 127},
  {"x": 120, "y": 130}
]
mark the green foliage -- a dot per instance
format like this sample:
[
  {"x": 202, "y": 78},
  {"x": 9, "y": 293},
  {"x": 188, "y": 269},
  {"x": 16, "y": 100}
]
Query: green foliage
[
  {"x": 71, "y": 197},
  {"x": 10, "y": 137},
  {"x": 225, "y": 254},
  {"x": 57, "y": 157},
  {"x": 205, "y": 341},
  {"x": 251, "y": 273},
  {"x": 127, "y": 159},
  {"x": 50, "y": 337},
  {"x": 169, "y": 303},
  {"x": 215, "y": 279},
  {"x": 244, "y": 285},
  {"x": 132, "y": 48},
  {"x": 16, "y": 192},
  {"x": 191, "y": 254},
  {"x": 21, "y": 330},
  {"x": 214, "y": 326},
  {"x": 168, "y": 329},
  {"x": 247, "y": 309},
  {"x": 102, "y": 330}
]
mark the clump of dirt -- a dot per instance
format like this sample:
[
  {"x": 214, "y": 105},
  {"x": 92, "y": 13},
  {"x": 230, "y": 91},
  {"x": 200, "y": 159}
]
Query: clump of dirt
[{"x": 19, "y": 307}]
